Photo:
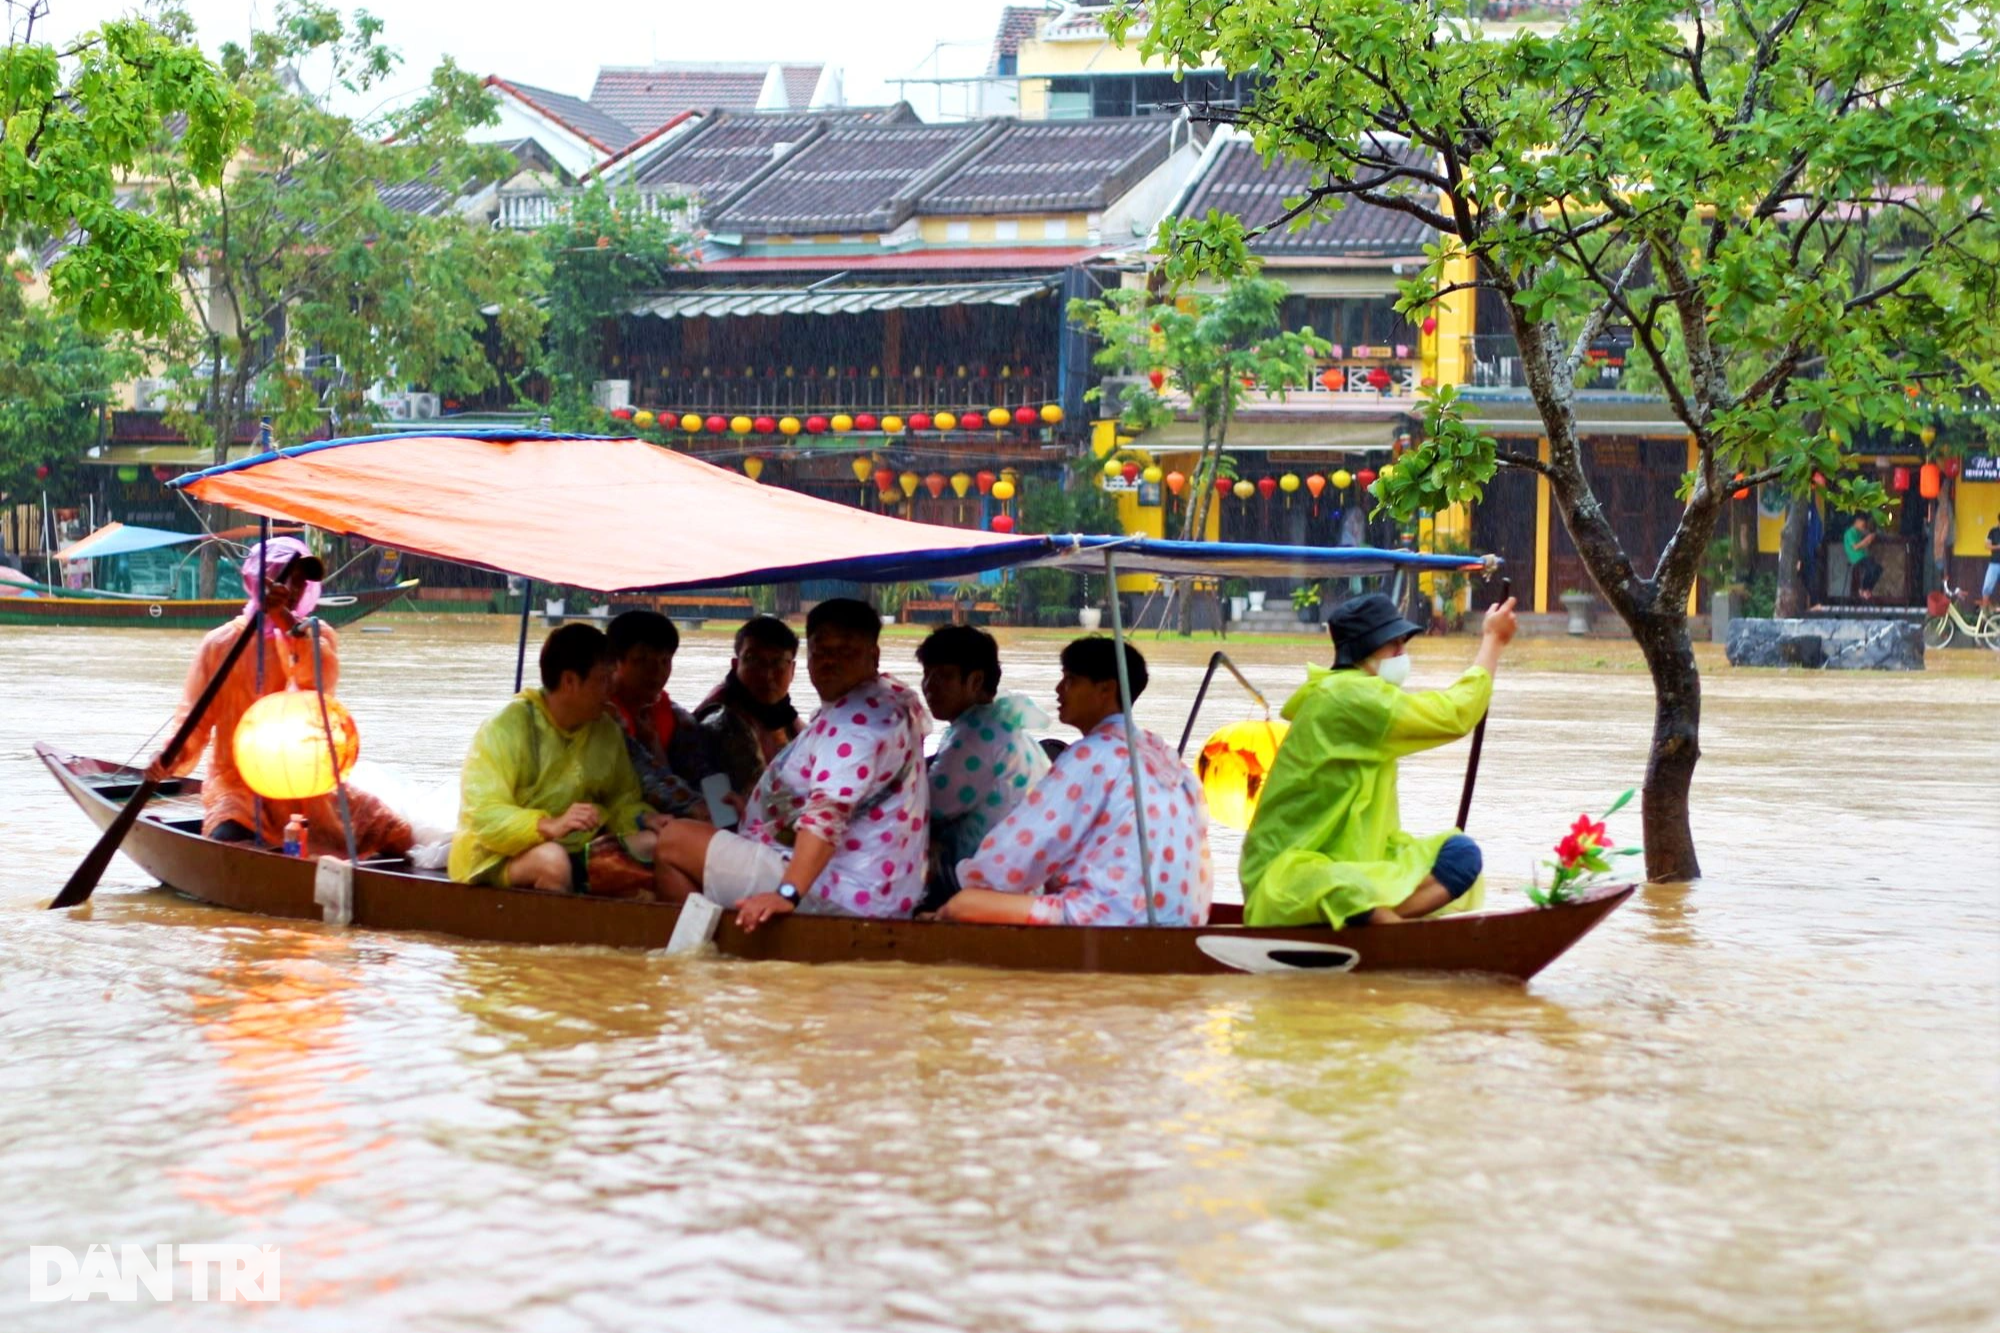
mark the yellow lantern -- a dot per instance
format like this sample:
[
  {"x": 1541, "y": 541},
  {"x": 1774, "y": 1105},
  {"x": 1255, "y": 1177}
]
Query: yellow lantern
[
  {"x": 945, "y": 421},
  {"x": 1388, "y": 471},
  {"x": 960, "y": 484},
  {"x": 1113, "y": 468},
  {"x": 892, "y": 425},
  {"x": 740, "y": 425},
  {"x": 998, "y": 417},
  {"x": 1052, "y": 414},
  {"x": 753, "y": 467},
  {"x": 1288, "y": 483},
  {"x": 787, "y": 425},
  {"x": 1233, "y": 765},
  {"x": 1928, "y": 435},
  {"x": 909, "y": 481},
  {"x": 691, "y": 424},
  {"x": 281, "y": 745},
  {"x": 1244, "y": 490},
  {"x": 889, "y": 496},
  {"x": 862, "y": 465},
  {"x": 1003, "y": 490},
  {"x": 642, "y": 418},
  {"x": 1152, "y": 475},
  {"x": 841, "y": 423},
  {"x": 1341, "y": 479}
]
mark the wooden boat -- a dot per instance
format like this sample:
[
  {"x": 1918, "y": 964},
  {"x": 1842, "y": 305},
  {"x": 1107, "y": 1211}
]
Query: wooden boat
[
  {"x": 166, "y": 842},
  {"x": 170, "y": 613}
]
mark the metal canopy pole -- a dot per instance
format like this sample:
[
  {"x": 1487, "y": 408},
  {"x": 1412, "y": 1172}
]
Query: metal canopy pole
[
  {"x": 521, "y": 653},
  {"x": 1131, "y": 736}
]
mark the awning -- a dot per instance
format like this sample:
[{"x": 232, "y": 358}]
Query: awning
[
  {"x": 123, "y": 539},
  {"x": 619, "y": 514},
  {"x": 727, "y": 302}
]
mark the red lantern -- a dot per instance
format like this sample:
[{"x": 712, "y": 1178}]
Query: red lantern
[
  {"x": 920, "y": 421},
  {"x": 1158, "y": 379},
  {"x": 1899, "y": 480},
  {"x": 1026, "y": 416},
  {"x": 764, "y": 425},
  {"x": 1267, "y": 487},
  {"x": 1003, "y": 523},
  {"x": 1379, "y": 379},
  {"x": 1130, "y": 472},
  {"x": 1819, "y": 480},
  {"x": 866, "y": 421},
  {"x": 935, "y": 484},
  {"x": 985, "y": 482},
  {"x": 621, "y": 413},
  {"x": 1333, "y": 379},
  {"x": 41, "y": 472},
  {"x": 1742, "y": 493},
  {"x": 1930, "y": 481},
  {"x": 1429, "y": 326},
  {"x": 163, "y": 474},
  {"x": 816, "y": 425},
  {"x": 885, "y": 480},
  {"x": 1223, "y": 486},
  {"x": 1365, "y": 477},
  {"x": 716, "y": 425},
  {"x": 1951, "y": 466},
  {"x": 1315, "y": 483}
]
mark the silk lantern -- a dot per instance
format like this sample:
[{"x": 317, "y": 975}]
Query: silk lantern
[
  {"x": 643, "y": 419},
  {"x": 789, "y": 425},
  {"x": 716, "y": 425},
  {"x": 1233, "y": 766},
  {"x": 985, "y": 482},
  {"x": 1157, "y": 378},
  {"x": 1288, "y": 483},
  {"x": 960, "y": 484},
  {"x": 935, "y": 484},
  {"x": 920, "y": 421},
  {"x": 1930, "y": 481},
  {"x": 1315, "y": 484},
  {"x": 1342, "y": 479},
  {"x": 281, "y": 745},
  {"x": 892, "y": 425},
  {"x": 1151, "y": 476},
  {"x": 1379, "y": 379},
  {"x": 945, "y": 421},
  {"x": 1002, "y": 523},
  {"x": 866, "y": 421},
  {"x": 1741, "y": 492},
  {"x": 816, "y": 425},
  {"x": 1222, "y": 486},
  {"x": 909, "y": 481},
  {"x": 1003, "y": 491},
  {"x": 885, "y": 480},
  {"x": 1333, "y": 378},
  {"x": 1113, "y": 468},
  {"x": 691, "y": 424},
  {"x": 1176, "y": 482},
  {"x": 1026, "y": 416},
  {"x": 1899, "y": 480},
  {"x": 741, "y": 425},
  {"x": 1052, "y": 415},
  {"x": 1244, "y": 489},
  {"x": 862, "y": 466},
  {"x": 621, "y": 414},
  {"x": 1266, "y": 487},
  {"x": 753, "y": 467},
  {"x": 764, "y": 425},
  {"x": 841, "y": 423},
  {"x": 1130, "y": 472},
  {"x": 1365, "y": 478},
  {"x": 998, "y": 417}
]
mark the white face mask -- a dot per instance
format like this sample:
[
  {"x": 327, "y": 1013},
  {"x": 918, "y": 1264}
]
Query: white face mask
[{"x": 1395, "y": 670}]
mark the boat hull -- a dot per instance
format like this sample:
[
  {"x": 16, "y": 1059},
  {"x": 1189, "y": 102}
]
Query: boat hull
[
  {"x": 166, "y": 842},
  {"x": 167, "y": 613}
]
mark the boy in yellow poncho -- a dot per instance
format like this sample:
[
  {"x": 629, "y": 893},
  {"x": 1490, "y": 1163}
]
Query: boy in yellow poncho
[
  {"x": 548, "y": 798},
  {"x": 1327, "y": 843}
]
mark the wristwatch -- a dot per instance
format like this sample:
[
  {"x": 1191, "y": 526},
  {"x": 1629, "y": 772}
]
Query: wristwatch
[{"x": 790, "y": 893}]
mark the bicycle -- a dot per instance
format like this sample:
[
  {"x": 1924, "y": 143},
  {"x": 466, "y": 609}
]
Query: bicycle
[{"x": 1946, "y": 622}]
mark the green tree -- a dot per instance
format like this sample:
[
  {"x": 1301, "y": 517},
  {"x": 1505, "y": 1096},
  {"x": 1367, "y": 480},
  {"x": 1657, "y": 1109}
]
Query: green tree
[
  {"x": 333, "y": 257},
  {"x": 55, "y": 380},
  {"x": 1787, "y": 202},
  {"x": 1208, "y": 353},
  {"x": 73, "y": 119},
  {"x": 604, "y": 249}
]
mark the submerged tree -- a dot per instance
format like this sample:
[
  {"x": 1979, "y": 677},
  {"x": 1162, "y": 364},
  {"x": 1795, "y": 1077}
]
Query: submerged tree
[{"x": 1787, "y": 202}]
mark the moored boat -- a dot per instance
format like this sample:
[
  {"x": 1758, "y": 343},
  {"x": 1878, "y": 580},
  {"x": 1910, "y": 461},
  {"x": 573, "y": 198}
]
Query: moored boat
[
  {"x": 133, "y": 612},
  {"x": 166, "y": 842}
]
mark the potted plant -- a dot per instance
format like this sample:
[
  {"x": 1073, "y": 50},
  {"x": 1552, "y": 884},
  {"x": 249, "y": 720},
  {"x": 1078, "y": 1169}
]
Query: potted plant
[
  {"x": 1256, "y": 596},
  {"x": 1305, "y": 601},
  {"x": 1580, "y": 606},
  {"x": 1237, "y": 591}
]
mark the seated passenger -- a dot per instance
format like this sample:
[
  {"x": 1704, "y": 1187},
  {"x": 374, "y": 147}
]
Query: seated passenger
[
  {"x": 282, "y": 575},
  {"x": 548, "y": 798},
  {"x": 1327, "y": 844},
  {"x": 668, "y": 751},
  {"x": 837, "y": 823},
  {"x": 988, "y": 757},
  {"x": 749, "y": 717},
  {"x": 1069, "y": 854}
]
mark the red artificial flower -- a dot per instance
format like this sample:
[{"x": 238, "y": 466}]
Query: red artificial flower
[
  {"x": 1584, "y": 828},
  {"x": 1569, "y": 852}
]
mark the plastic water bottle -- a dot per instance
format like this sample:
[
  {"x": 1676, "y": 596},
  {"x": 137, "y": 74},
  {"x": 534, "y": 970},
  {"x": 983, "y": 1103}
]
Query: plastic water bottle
[{"x": 295, "y": 836}]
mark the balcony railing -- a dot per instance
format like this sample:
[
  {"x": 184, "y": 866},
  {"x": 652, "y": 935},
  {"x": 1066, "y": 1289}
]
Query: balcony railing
[
  {"x": 900, "y": 394},
  {"x": 527, "y": 210},
  {"x": 1493, "y": 361}
]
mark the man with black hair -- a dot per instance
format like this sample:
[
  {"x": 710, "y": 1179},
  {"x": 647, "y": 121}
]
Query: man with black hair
[
  {"x": 836, "y": 824},
  {"x": 988, "y": 757},
  {"x": 1069, "y": 854},
  {"x": 749, "y": 717},
  {"x": 667, "y": 748},
  {"x": 547, "y": 797}
]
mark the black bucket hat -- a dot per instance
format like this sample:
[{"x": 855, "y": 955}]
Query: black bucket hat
[{"x": 1361, "y": 626}]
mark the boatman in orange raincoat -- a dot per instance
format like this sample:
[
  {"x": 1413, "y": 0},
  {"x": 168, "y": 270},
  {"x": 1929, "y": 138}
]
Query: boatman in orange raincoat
[{"x": 285, "y": 577}]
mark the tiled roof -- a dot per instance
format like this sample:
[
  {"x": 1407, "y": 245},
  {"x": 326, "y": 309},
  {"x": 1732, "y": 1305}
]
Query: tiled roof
[
  {"x": 600, "y": 126},
  {"x": 800, "y": 83},
  {"x": 1017, "y": 25},
  {"x": 1083, "y": 21},
  {"x": 1239, "y": 182},
  {"x": 648, "y": 95},
  {"x": 861, "y": 178},
  {"x": 1054, "y": 166},
  {"x": 732, "y": 146}
]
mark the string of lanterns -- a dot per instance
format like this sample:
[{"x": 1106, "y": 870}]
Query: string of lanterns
[{"x": 841, "y": 423}]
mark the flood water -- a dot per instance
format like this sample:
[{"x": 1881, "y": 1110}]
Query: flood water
[{"x": 1767, "y": 1102}]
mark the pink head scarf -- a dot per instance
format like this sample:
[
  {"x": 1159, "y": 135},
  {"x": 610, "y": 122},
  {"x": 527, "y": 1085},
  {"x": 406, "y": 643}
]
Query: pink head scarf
[{"x": 280, "y": 551}]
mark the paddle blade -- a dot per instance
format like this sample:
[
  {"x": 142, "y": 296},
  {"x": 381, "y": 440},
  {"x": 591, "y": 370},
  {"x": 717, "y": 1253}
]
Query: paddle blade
[{"x": 83, "y": 882}]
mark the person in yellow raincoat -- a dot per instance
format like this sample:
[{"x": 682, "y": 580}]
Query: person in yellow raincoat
[
  {"x": 548, "y": 798},
  {"x": 282, "y": 575},
  {"x": 1327, "y": 842}
]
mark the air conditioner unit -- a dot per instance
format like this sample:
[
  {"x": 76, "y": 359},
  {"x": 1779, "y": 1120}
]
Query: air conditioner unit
[
  {"x": 149, "y": 396},
  {"x": 611, "y": 394},
  {"x": 423, "y": 406},
  {"x": 396, "y": 409}
]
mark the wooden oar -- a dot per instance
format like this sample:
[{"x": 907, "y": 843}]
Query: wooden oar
[
  {"x": 1478, "y": 741},
  {"x": 83, "y": 883}
]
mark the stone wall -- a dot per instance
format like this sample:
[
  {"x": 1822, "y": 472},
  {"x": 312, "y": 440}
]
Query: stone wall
[{"x": 1848, "y": 644}]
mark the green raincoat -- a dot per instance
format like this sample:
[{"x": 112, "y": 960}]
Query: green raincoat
[
  {"x": 522, "y": 769},
  {"x": 1327, "y": 841}
]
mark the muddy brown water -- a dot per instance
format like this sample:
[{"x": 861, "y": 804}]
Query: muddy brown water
[{"x": 1766, "y": 1102}]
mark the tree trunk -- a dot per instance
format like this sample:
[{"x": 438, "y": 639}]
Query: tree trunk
[
  {"x": 1196, "y": 520},
  {"x": 1669, "y": 653},
  {"x": 1792, "y": 592}
]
